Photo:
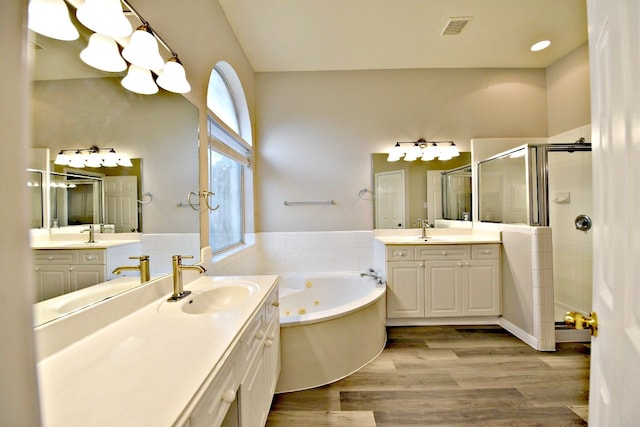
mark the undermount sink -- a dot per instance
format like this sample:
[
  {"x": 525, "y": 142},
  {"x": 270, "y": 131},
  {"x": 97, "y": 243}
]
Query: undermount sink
[{"x": 222, "y": 297}]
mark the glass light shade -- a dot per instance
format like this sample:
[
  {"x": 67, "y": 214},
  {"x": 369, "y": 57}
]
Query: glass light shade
[
  {"x": 104, "y": 17},
  {"x": 102, "y": 53},
  {"x": 173, "y": 77},
  {"x": 139, "y": 80},
  {"x": 453, "y": 150},
  {"x": 51, "y": 18},
  {"x": 433, "y": 150},
  {"x": 392, "y": 158},
  {"x": 93, "y": 160},
  {"x": 110, "y": 160},
  {"x": 125, "y": 161},
  {"x": 142, "y": 50},
  {"x": 427, "y": 156},
  {"x": 77, "y": 160},
  {"x": 413, "y": 153},
  {"x": 61, "y": 159}
]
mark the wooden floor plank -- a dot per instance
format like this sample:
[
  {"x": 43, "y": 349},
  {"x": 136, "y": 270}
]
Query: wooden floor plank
[{"x": 453, "y": 376}]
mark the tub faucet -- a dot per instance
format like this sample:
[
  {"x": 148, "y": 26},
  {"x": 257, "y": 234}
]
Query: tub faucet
[
  {"x": 143, "y": 268},
  {"x": 91, "y": 233},
  {"x": 372, "y": 273},
  {"x": 178, "y": 287}
]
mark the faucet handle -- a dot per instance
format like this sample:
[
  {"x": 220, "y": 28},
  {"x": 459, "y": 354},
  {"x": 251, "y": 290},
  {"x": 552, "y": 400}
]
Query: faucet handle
[{"x": 140, "y": 258}]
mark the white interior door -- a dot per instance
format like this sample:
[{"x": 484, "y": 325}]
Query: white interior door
[
  {"x": 121, "y": 199},
  {"x": 390, "y": 199},
  {"x": 615, "y": 101}
]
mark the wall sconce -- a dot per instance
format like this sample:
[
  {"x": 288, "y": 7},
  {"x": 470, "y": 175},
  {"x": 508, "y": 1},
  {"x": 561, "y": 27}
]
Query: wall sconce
[
  {"x": 92, "y": 157},
  {"x": 425, "y": 150},
  {"x": 106, "y": 18}
]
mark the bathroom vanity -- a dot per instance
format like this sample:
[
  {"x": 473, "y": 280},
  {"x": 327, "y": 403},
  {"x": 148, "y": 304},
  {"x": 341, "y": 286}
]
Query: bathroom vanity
[
  {"x": 442, "y": 277},
  {"x": 62, "y": 267},
  {"x": 209, "y": 359}
]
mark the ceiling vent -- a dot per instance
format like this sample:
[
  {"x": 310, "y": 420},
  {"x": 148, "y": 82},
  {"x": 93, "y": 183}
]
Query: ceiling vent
[{"x": 455, "y": 26}]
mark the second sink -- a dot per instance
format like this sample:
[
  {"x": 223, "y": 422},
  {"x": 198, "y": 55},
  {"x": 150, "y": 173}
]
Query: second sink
[{"x": 217, "y": 299}]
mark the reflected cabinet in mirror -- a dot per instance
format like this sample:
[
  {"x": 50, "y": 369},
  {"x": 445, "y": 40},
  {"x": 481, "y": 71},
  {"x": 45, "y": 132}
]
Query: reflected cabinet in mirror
[
  {"x": 408, "y": 191},
  {"x": 74, "y": 107}
]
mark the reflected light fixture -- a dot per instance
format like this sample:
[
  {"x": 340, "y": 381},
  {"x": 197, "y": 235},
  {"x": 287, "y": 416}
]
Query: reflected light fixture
[
  {"x": 173, "y": 77},
  {"x": 92, "y": 157},
  {"x": 142, "y": 50},
  {"x": 102, "y": 53},
  {"x": 425, "y": 150},
  {"x": 51, "y": 18},
  {"x": 139, "y": 80},
  {"x": 541, "y": 45},
  {"x": 104, "y": 17}
]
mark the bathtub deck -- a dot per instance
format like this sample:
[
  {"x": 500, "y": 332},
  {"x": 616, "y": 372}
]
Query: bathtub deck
[{"x": 450, "y": 375}]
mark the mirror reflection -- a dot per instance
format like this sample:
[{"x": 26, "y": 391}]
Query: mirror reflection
[
  {"x": 456, "y": 194},
  {"x": 406, "y": 191},
  {"x": 75, "y": 106}
]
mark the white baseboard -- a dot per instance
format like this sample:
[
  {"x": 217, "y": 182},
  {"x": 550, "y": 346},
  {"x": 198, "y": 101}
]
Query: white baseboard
[
  {"x": 444, "y": 321},
  {"x": 519, "y": 333}
]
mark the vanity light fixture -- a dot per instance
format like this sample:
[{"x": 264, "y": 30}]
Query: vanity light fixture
[
  {"x": 425, "y": 150},
  {"x": 93, "y": 157},
  {"x": 51, "y": 18}
]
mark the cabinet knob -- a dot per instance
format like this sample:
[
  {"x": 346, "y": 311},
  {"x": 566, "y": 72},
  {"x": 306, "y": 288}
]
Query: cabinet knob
[
  {"x": 50, "y": 258},
  {"x": 37, "y": 268},
  {"x": 276, "y": 303},
  {"x": 90, "y": 258},
  {"x": 444, "y": 252},
  {"x": 459, "y": 264},
  {"x": 71, "y": 268},
  {"x": 259, "y": 335},
  {"x": 229, "y": 396},
  {"x": 485, "y": 252},
  {"x": 268, "y": 343},
  {"x": 466, "y": 264}
]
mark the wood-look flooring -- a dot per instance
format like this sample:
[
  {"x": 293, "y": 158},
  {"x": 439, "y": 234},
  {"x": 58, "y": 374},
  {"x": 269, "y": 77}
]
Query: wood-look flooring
[{"x": 453, "y": 376}]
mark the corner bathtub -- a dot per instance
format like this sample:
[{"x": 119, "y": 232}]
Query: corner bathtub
[{"x": 331, "y": 325}]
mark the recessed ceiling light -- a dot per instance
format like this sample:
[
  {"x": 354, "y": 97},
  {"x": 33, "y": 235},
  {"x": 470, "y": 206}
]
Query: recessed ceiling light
[{"x": 543, "y": 44}]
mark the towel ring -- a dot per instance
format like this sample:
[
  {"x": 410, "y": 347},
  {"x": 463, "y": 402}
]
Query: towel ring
[
  {"x": 191, "y": 193},
  {"x": 206, "y": 195},
  {"x": 149, "y": 198}
]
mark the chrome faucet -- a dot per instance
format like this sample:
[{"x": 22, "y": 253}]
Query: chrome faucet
[
  {"x": 424, "y": 224},
  {"x": 91, "y": 234},
  {"x": 372, "y": 273},
  {"x": 143, "y": 268},
  {"x": 178, "y": 287}
]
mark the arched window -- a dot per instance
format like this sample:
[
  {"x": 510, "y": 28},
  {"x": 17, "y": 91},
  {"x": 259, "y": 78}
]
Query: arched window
[{"x": 230, "y": 153}]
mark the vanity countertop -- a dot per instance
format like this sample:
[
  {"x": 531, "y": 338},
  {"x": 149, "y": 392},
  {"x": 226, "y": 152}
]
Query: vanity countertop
[
  {"x": 78, "y": 244},
  {"x": 145, "y": 368},
  {"x": 441, "y": 238}
]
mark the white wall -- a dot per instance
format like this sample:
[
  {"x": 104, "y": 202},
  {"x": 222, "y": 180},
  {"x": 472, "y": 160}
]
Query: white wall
[
  {"x": 317, "y": 130},
  {"x": 18, "y": 393}
]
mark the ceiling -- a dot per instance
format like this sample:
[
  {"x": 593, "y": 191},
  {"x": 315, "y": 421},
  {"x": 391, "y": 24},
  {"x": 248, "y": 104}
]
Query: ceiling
[{"x": 312, "y": 35}]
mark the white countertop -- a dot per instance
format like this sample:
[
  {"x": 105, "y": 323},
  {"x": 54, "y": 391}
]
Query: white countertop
[
  {"x": 77, "y": 244},
  {"x": 144, "y": 369},
  {"x": 441, "y": 239}
]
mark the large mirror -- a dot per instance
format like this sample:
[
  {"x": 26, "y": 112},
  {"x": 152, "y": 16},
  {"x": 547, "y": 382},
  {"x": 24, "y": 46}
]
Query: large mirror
[
  {"x": 408, "y": 191},
  {"x": 74, "y": 106}
]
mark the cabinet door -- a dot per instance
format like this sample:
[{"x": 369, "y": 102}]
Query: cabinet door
[
  {"x": 481, "y": 287},
  {"x": 83, "y": 276},
  {"x": 443, "y": 288},
  {"x": 52, "y": 281},
  {"x": 405, "y": 291}
]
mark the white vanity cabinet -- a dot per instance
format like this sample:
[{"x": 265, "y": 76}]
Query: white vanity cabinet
[
  {"x": 242, "y": 389},
  {"x": 432, "y": 281},
  {"x": 59, "y": 272}
]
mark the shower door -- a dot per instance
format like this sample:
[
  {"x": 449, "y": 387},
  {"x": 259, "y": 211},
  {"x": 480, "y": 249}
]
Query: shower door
[{"x": 569, "y": 196}]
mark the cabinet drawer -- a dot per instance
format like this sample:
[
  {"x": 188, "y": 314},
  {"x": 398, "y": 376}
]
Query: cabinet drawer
[
  {"x": 56, "y": 257},
  {"x": 220, "y": 394},
  {"x": 400, "y": 253},
  {"x": 443, "y": 252},
  {"x": 485, "y": 251},
  {"x": 272, "y": 305},
  {"x": 91, "y": 257}
]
